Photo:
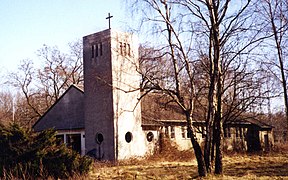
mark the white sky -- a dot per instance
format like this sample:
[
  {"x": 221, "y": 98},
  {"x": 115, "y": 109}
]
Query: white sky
[{"x": 26, "y": 25}]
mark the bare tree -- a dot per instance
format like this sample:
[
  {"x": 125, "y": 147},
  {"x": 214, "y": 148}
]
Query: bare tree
[
  {"x": 6, "y": 107},
  {"x": 60, "y": 70},
  {"x": 219, "y": 35},
  {"x": 176, "y": 80},
  {"x": 274, "y": 15},
  {"x": 42, "y": 87}
]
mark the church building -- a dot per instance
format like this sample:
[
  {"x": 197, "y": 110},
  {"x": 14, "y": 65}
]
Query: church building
[{"x": 106, "y": 120}]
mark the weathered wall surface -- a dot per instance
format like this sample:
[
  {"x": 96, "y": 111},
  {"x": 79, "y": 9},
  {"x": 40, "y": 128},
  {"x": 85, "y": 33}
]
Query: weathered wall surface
[
  {"x": 99, "y": 122},
  {"x": 266, "y": 140},
  {"x": 66, "y": 113},
  {"x": 130, "y": 139},
  {"x": 181, "y": 140},
  {"x": 111, "y": 114}
]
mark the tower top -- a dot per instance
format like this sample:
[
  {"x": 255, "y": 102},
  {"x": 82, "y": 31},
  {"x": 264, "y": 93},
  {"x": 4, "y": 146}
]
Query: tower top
[{"x": 109, "y": 19}]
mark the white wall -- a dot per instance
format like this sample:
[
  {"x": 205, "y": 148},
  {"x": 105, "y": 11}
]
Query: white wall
[{"x": 127, "y": 110}]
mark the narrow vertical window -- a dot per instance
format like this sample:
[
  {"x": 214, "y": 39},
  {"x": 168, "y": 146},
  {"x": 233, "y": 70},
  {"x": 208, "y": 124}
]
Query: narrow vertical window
[
  {"x": 166, "y": 131},
  {"x": 128, "y": 49},
  {"x": 240, "y": 132},
  {"x": 183, "y": 131},
  {"x": 172, "y": 132},
  {"x": 188, "y": 134},
  {"x": 229, "y": 132},
  {"x": 96, "y": 50},
  {"x": 124, "y": 49},
  {"x": 101, "y": 52},
  {"x": 121, "y": 48},
  {"x": 92, "y": 51}
]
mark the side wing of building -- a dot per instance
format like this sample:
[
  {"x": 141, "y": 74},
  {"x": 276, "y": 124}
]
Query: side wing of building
[{"x": 66, "y": 114}]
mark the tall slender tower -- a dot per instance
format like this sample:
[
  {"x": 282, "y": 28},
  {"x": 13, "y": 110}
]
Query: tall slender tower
[{"x": 112, "y": 117}]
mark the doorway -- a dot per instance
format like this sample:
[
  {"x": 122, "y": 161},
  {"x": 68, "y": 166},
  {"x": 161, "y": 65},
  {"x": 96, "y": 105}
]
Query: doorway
[{"x": 266, "y": 141}]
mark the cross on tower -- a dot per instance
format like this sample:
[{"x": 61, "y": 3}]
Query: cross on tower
[{"x": 109, "y": 19}]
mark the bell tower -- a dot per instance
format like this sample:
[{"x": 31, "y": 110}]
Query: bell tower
[{"x": 111, "y": 87}]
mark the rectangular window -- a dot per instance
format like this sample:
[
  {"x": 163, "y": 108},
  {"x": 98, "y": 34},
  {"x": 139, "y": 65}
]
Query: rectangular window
[
  {"x": 124, "y": 49},
  {"x": 101, "y": 53},
  {"x": 240, "y": 133},
  {"x": 120, "y": 45},
  {"x": 229, "y": 132},
  {"x": 203, "y": 131},
  {"x": 172, "y": 132},
  {"x": 237, "y": 132},
  {"x": 96, "y": 50},
  {"x": 74, "y": 142},
  {"x": 166, "y": 131},
  {"x": 92, "y": 51},
  {"x": 188, "y": 134},
  {"x": 183, "y": 131},
  {"x": 129, "y": 50}
]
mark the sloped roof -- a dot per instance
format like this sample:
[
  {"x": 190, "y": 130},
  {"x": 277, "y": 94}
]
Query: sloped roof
[
  {"x": 260, "y": 124},
  {"x": 251, "y": 121},
  {"x": 156, "y": 110},
  {"x": 67, "y": 113}
]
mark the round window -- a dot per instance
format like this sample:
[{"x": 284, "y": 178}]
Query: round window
[
  {"x": 128, "y": 137},
  {"x": 99, "y": 138},
  {"x": 150, "y": 136}
]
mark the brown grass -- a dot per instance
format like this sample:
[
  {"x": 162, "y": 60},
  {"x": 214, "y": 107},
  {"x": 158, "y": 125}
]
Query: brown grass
[
  {"x": 182, "y": 165},
  {"x": 171, "y": 163},
  {"x": 280, "y": 147},
  {"x": 270, "y": 165}
]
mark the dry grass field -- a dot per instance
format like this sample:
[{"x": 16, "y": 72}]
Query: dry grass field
[{"x": 273, "y": 165}]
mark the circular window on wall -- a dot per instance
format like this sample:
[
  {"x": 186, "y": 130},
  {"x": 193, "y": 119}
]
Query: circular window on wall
[
  {"x": 99, "y": 138},
  {"x": 150, "y": 136},
  {"x": 128, "y": 137}
]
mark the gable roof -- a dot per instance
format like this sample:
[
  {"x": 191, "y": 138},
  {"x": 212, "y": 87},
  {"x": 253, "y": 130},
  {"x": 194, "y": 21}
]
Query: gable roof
[
  {"x": 156, "y": 111},
  {"x": 250, "y": 121},
  {"x": 66, "y": 113}
]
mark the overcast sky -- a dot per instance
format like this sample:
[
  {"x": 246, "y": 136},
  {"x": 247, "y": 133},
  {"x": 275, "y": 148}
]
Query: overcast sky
[{"x": 25, "y": 25}]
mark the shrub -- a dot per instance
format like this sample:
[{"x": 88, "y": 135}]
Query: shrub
[
  {"x": 168, "y": 151},
  {"x": 37, "y": 155},
  {"x": 280, "y": 147}
]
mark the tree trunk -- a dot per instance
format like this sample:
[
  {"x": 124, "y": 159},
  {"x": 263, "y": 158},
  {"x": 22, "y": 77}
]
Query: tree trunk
[
  {"x": 218, "y": 123},
  {"x": 281, "y": 64},
  {"x": 196, "y": 147},
  {"x": 198, "y": 153},
  {"x": 218, "y": 143},
  {"x": 211, "y": 110},
  {"x": 207, "y": 150}
]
